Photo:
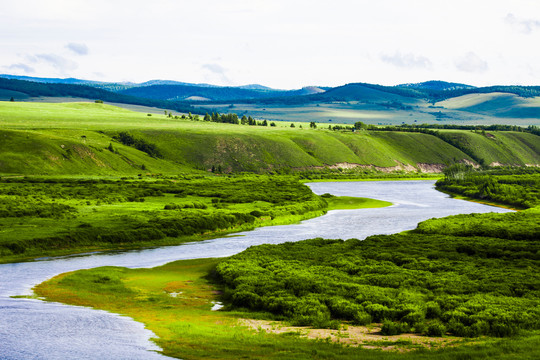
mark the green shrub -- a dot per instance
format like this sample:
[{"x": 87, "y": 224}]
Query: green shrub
[{"x": 436, "y": 329}]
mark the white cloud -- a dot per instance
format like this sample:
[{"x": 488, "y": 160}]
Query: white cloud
[
  {"x": 279, "y": 43},
  {"x": 61, "y": 64},
  {"x": 78, "y": 48},
  {"x": 406, "y": 60},
  {"x": 471, "y": 62},
  {"x": 219, "y": 71},
  {"x": 525, "y": 26},
  {"x": 20, "y": 66}
]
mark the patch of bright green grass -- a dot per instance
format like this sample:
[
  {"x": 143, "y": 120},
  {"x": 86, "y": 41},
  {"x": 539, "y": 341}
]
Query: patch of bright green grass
[{"x": 350, "y": 203}]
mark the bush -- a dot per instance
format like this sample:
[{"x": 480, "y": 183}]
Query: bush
[
  {"x": 391, "y": 328},
  {"x": 436, "y": 329}
]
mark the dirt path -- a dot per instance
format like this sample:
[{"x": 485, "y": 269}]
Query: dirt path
[{"x": 362, "y": 336}]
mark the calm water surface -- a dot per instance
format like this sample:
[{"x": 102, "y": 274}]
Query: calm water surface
[{"x": 33, "y": 329}]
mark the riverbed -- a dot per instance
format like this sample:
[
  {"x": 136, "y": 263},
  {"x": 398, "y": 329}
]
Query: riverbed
[{"x": 34, "y": 329}]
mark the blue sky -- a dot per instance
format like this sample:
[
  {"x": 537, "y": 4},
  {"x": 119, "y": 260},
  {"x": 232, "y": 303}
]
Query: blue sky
[{"x": 282, "y": 44}]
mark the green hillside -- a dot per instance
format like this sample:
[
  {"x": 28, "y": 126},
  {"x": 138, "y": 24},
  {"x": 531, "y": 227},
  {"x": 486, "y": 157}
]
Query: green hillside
[
  {"x": 496, "y": 104},
  {"x": 83, "y": 138},
  {"x": 498, "y": 147}
]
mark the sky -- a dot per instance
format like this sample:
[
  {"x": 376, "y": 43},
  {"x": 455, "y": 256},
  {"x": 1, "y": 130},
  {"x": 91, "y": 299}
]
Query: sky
[{"x": 284, "y": 44}]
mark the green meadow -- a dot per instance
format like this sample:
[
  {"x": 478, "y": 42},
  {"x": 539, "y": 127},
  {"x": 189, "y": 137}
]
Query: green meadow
[
  {"x": 83, "y": 139},
  {"x": 472, "y": 109}
]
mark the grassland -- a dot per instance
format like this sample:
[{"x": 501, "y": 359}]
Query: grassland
[
  {"x": 349, "y": 202},
  {"x": 495, "y": 148},
  {"x": 473, "y": 109},
  {"x": 495, "y": 104},
  {"x": 81, "y": 139}
]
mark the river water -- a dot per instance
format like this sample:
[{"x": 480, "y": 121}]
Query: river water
[{"x": 33, "y": 329}]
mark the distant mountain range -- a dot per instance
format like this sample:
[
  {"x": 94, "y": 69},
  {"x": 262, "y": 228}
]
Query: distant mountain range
[{"x": 450, "y": 99}]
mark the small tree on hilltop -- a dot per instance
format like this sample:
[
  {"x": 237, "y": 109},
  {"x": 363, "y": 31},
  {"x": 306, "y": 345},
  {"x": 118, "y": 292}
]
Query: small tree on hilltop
[{"x": 360, "y": 125}]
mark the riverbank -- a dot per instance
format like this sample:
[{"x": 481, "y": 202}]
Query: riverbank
[
  {"x": 46, "y": 217},
  {"x": 333, "y": 203}
]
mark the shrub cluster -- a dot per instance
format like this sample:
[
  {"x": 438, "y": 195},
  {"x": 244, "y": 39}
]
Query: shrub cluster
[
  {"x": 430, "y": 284},
  {"x": 206, "y": 204},
  {"x": 13, "y": 206},
  {"x": 515, "y": 187},
  {"x": 138, "y": 143}
]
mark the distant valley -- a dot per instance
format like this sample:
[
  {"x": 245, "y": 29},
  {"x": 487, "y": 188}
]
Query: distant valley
[{"x": 431, "y": 102}]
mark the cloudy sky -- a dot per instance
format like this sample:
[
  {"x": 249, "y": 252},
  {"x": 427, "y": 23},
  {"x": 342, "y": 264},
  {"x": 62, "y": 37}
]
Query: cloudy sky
[{"x": 279, "y": 43}]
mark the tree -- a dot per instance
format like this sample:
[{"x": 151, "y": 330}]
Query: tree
[
  {"x": 313, "y": 125},
  {"x": 244, "y": 120},
  {"x": 12, "y": 99},
  {"x": 207, "y": 117},
  {"x": 360, "y": 125},
  {"x": 110, "y": 148},
  {"x": 292, "y": 125}
]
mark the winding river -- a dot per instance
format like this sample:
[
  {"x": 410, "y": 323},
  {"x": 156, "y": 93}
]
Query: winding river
[{"x": 33, "y": 329}]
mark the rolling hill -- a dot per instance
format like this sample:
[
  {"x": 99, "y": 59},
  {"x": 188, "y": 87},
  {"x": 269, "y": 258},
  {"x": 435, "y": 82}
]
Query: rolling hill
[
  {"x": 495, "y": 104},
  {"x": 429, "y": 102},
  {"x": 82, "y": 138}
]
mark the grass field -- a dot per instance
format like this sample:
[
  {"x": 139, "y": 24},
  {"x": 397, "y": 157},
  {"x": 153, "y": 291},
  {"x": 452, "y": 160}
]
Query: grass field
[
  {"x": 81, "y": 138},
  {"x": 509, "y": 148},
  {"x": 485, "y": 109},
  {"x": 495, "y": 104}
]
